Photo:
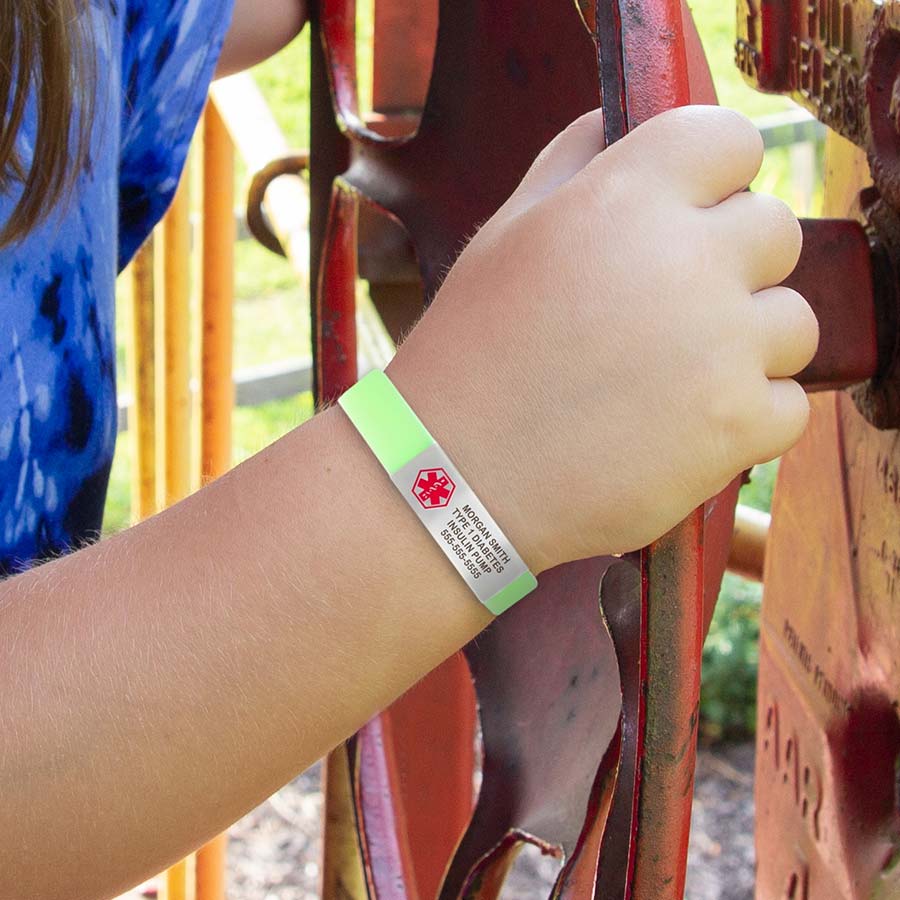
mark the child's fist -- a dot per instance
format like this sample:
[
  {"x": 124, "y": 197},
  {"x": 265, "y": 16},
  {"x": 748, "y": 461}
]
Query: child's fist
[{"x": 610, "y": 349}]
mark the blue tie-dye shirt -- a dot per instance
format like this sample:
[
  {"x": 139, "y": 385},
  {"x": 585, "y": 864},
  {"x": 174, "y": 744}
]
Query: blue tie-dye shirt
[{"x": 57, "y": 346}]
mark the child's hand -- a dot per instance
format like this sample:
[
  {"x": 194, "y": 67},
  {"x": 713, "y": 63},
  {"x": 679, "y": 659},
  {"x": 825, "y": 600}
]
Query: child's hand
[{"x": 609, "y": 351}]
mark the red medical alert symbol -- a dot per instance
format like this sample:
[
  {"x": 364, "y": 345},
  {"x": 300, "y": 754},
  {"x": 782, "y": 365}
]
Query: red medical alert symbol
[{"x": 433, "y": 488}]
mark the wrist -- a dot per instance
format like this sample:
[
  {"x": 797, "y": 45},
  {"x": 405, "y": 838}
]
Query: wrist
[
  {"x": 437, "y": 493},
  {"x": 372, "y": 520},
  {"x": 483, "y": 448}
]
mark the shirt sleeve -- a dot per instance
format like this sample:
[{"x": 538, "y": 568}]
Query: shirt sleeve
[{"x": 169, "y": 54}]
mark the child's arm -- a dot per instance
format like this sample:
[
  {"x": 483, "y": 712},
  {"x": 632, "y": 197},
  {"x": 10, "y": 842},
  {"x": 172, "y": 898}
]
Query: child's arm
[
  {"x": 259, "y": 30},
  {"x": 596, "y": 364}
]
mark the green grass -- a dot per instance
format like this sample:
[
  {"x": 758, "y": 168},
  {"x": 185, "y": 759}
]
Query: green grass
[
  {"x": 730, "y": 663},
  {"x": 259, "y": 273}
]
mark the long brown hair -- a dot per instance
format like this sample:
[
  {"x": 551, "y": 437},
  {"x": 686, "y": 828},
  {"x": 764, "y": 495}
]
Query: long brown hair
[{"x": 44, "y": 49}]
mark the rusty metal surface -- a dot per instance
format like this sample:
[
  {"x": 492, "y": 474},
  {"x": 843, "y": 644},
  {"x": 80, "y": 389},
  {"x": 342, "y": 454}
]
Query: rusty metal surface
[
  {"x": 649, "y": 73},
  {"x": 829, "y": 679},
  {"x": 828, "y": 730},
  {"x": 335, "y": 335},
  {"x": 404, "y": 41},
  {"x": 829, "y": 688},
  {"x": 879, "y": 398},
  {"x": 840, "y": 60},
  {"x": 414, "y": 760},
  {"x": 343, "y": 877},
  {"x": 507, "y": 76},
  {"x": 546, "y": 718},
  {"x": 500, "y": 70}
]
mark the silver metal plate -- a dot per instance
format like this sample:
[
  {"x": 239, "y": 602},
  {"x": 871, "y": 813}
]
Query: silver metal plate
[{"x": 459, "y": 523}]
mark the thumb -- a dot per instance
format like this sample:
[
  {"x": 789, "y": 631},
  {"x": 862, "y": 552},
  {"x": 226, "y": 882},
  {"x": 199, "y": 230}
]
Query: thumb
[{"x": 564, "y": 157}]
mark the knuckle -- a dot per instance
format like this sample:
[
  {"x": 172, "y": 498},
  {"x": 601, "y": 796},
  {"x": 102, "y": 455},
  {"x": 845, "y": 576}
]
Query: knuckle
[
  {"x": 744, "y": 142},
  {"x": 684, "y": 128},
  {"x": 794, "y": 405},
  {"x": 759, "y": 405},
  {"x": 717, "y": 123},
  {"x": 797, "y": 416},
  {"x": 807, "y": 324},
  {"x": 743, "y": 131},
  {"x": 606, "y": 190},
  {"x": 801, "y": 325},
  {"x": 790, "y": 404},
  {"x": 801, "y": 398},
  {"x": 707, "y": 116},
  {"x": 778, "y": 216},
  {"x": 782, "y": 237},
  {"x": 590, "y": 124}
]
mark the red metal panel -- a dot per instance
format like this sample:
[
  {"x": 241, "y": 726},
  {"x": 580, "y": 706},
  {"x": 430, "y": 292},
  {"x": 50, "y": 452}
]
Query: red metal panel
[
  {"x": 413, "y": 769},
  {"x": 651, "y": 76},
  {"x": 835, "y": 273},
  {"x": 828, "y": 729},
  {"x": 829, "y": 674},
  {"x": 547, "y": 717}
]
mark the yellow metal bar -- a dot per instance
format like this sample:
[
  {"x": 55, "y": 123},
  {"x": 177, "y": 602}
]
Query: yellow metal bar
[
  {"x": 178, "y": 883},
  {"x": 211, "y": 861},
  {"x": 219, "y": 235},
  {"x": 748, "y": 543},
  {"x": 142, "y": 375},
  {"x": 176, "y": 392},
  {"x": 216, "y": 379},
  {"x": 343, "y": 877}
]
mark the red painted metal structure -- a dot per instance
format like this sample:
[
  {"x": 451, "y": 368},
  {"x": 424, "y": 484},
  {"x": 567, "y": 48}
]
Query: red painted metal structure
[
  {"x": 829, "y": 691},
  {"x": 587, "y": 719}
]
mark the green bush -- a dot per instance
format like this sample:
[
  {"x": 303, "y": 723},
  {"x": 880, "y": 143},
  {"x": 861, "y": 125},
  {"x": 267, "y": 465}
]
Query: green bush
[
  {"x": 730, "y": 661},
  {"x": 731, "y": 652}
]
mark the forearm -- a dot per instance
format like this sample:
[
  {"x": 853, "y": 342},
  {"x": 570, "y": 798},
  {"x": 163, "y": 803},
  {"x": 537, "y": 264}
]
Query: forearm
[{"x": 162, "y": 683}]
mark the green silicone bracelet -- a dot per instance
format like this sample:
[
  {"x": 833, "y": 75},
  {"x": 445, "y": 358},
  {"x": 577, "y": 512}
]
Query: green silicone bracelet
[
  {"x": 385, "y": 420},
  {"x": 435, "y": 490}
]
